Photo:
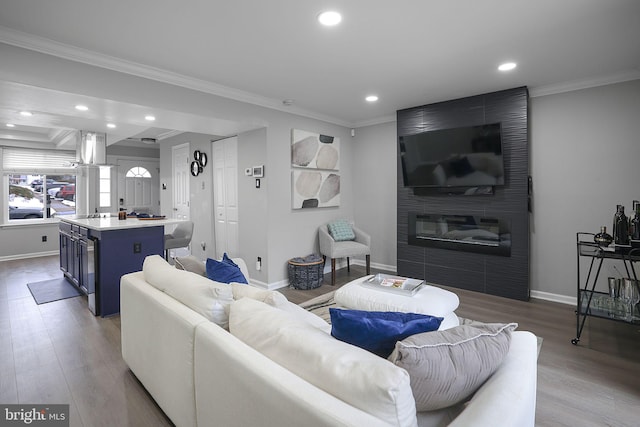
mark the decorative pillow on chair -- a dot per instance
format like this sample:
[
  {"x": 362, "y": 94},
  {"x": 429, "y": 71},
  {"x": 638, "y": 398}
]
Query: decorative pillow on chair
[
  {"x": 341, "y": 230},
  {"x": 225, "y": 271},
  {"x": 378, "y": 331},
  {"x": 446, "y": 367}
]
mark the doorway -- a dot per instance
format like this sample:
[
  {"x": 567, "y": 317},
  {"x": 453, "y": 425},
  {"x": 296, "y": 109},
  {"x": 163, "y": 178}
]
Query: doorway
[{"x": 139, "y": 186}]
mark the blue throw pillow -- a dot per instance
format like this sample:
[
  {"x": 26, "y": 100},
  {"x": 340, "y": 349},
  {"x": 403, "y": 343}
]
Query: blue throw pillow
[
  {"x": 341, "y": 230},
  {"x": 378, "y": 331},
  {"x": 225, "y": 271}
]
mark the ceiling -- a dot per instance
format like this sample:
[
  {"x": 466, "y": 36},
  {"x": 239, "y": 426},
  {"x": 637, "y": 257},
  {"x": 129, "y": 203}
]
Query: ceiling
[{"x": 407, "y": 53}]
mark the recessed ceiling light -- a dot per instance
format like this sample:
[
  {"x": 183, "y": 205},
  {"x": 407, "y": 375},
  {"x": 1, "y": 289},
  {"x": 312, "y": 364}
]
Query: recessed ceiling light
[
  {"x": 80, "y": 107},
  {"x": 149, "y": 118},
  {"x": 10, "y": 125},
  {"x": 111, "y": 126},
  {"x": 507, "y": 66},
  {"x": 26, "y": 113},
  {"x": 371, "y": 98},
  {"x": 329, "y": 18}
]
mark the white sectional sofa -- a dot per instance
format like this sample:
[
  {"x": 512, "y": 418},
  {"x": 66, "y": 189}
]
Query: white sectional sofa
[{"x": 200, "y": 374}]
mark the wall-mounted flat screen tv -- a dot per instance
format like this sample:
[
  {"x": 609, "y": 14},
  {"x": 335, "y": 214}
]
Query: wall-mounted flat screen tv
[{"x": 459, "y": 157}]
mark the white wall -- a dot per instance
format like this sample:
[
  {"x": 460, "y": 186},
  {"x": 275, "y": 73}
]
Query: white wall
[
  {"x": 585, "y": 159},
  {"x": 375, "y": 178}
]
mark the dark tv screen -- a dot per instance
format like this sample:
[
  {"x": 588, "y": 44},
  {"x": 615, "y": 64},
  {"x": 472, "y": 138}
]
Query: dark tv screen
[{"x": 459, "y": 157}]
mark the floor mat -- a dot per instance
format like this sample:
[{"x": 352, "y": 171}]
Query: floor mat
[{"x": 52, "y": 290}]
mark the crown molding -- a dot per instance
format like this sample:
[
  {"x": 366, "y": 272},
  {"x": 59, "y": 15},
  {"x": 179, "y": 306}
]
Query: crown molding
[
  {"x": 570, "y": 86},
  {"x": 85, "y": 56},
  {"x": 376, "y": 121},
  {"x": 169, "y": 134}
]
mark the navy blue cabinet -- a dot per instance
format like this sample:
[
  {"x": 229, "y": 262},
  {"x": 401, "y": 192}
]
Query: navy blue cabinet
[{"x": 94, "y": 260}]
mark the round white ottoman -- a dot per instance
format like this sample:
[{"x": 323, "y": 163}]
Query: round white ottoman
[{"x": 429, "y": 300}]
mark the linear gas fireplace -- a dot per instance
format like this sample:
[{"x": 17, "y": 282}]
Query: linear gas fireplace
[{"x": 467, "y": 233}]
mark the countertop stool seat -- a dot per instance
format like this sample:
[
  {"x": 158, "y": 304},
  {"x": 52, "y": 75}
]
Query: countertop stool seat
[{"x": 429, "y": 300}]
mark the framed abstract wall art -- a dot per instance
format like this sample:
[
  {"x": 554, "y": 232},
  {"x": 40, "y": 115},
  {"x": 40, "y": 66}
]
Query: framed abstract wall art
[
  {"x": 315, "y": 189},
  {"x": 314, "y": 151}
]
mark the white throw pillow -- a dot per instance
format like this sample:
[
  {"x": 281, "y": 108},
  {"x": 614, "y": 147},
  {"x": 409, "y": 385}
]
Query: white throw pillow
[
  {"x": 158, "y": 272},
  {"x": 200, "y": 294},
  {"x": 276, "y": 299},
  {"x": 351, "y": 374}
]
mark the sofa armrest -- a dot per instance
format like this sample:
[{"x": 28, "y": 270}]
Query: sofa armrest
[
  {"x": 361, "y": 236},
  {"x": 508, "y": 397},
  {"x": 157, "y": 336},
  {"x": 326, "y": 241}
]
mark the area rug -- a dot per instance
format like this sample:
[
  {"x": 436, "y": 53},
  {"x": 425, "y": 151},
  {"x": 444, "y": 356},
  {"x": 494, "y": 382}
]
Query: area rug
[
  {"x": 320, "y": 306},
  {"x": 52, "y": 290}
]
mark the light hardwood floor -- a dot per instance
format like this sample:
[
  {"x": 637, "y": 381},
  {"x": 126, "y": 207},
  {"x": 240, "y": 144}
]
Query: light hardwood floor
[{"x": 59, "y": 353}]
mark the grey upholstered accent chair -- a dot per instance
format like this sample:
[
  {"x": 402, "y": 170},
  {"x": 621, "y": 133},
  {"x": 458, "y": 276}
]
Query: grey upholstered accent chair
[
  {"x": 180, "y": 238},
  {"x": 329, "y": 248}
]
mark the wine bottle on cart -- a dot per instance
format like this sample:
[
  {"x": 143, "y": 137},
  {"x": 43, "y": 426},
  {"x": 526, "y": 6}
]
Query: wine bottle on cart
[
  {"x": 635, "y": 221},
  {"x": 620, "y": 227}
]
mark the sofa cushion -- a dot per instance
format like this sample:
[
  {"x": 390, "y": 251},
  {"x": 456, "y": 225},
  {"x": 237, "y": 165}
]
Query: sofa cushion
[
  {"x": 200, "y": 294},
  {"x": 225, "y": 271},
  {"x": 158, "y": 273},
  {"x": 351, "y": 374},
  {"x": 341, "y": 230},
  {"x": 192, "y": 264},
  {"x": 276, "y": 299},
  {"x": 378, "y": 331},
  {"x": 446, "y": 367}
]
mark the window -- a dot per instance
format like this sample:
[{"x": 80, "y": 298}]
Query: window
[
  {"x": 138, "y": 172},
  {"x": 37, "y": 184},
  {"x": 41, "y": 196}
]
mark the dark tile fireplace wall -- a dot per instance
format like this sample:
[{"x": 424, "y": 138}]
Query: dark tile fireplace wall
[{"x": 506, "y": 276}]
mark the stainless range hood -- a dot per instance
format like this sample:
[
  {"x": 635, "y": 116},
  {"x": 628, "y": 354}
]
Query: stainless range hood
[
  {"x": 91, "y": 154},
  {"x": 91, "y": 148}
]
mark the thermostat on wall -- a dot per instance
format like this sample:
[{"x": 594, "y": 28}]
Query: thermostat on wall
[{"x": 258, "y": 171}]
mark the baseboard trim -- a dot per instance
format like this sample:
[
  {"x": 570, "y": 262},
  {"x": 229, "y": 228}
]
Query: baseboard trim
[
  {"x": 31, "y": 255},
  {"x": 269, "y": 286},
  {"x": 376, "y": 265},
  {"x": 548, "y": 296}
]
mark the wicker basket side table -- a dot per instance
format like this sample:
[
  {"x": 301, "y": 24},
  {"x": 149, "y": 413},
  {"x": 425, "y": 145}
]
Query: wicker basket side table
[{"x": 306, "y": 272}]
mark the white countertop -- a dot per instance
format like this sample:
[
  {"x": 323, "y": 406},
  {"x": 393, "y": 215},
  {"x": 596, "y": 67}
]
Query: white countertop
[{"x": 113, "y": 223}]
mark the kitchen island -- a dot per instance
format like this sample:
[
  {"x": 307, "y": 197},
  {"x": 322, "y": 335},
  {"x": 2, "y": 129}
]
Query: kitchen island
[{"x": 96, "y": 252}]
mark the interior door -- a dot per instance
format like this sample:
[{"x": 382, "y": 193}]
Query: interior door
[
  {"x": 180, "y": 155},
  {"x": 225, "y": 196},
  {"x": 139, "y": 185},
  {"x": 181, "y": 197}
]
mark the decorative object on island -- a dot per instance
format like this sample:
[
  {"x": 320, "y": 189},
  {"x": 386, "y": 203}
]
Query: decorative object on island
[
  {"x": 603, "y": 238},
  {"x": 620, "y": 227}
]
